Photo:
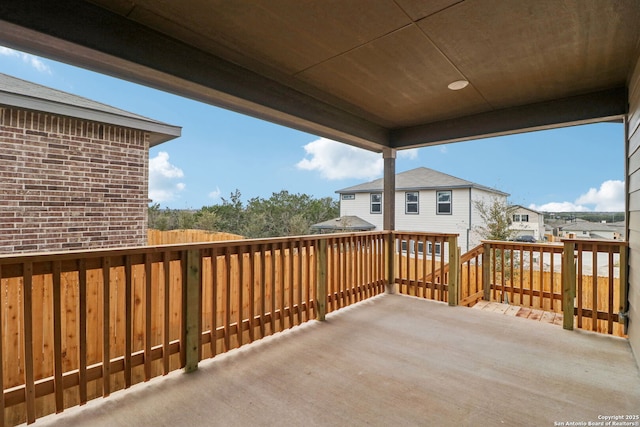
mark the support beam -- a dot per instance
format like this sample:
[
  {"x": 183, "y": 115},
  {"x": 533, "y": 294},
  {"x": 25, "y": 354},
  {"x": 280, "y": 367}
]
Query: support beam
[
  {"x": 454, "y": 271},
  {"x": 321, "y": 279},
  {"x": 389, "y": 194},
  {"x": 486, "y": 272},
  {"x": 389, "y": 214},
  {"x": 89, "y": 36},
  {"x": 593, "y": 107},
  {"x": 192, "y": 310},
  {"x": 568, "y": 284}
]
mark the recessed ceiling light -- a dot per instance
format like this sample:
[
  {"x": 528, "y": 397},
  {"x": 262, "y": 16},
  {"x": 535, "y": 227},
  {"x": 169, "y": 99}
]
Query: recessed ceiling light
[{"x": 458, "y": 84}]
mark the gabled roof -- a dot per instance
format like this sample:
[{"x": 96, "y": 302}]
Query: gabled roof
[
  {"x": 420, "y": 179},
  {"x": 526, "y": 209},
  {"x": 20, "y": 93},
  {"x": 349, "y": 222}
]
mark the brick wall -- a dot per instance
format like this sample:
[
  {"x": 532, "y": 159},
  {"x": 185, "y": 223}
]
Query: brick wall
[{"x": 68, "y": 183}]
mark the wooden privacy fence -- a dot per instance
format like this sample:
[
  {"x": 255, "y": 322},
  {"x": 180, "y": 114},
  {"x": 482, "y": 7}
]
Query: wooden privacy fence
[
  {"x": 160, "y": 237},
  {"x": 79, "y": 325}
]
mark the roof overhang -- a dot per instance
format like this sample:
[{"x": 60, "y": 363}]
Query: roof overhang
[
  {"x": 370, "y": 74},
  {"x": 158, "y": 132}
]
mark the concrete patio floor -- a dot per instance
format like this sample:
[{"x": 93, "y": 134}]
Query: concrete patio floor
[{"x": 391, "y": 360}]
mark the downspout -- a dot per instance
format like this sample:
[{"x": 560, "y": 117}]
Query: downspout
[{"x": 624, "y": 312}]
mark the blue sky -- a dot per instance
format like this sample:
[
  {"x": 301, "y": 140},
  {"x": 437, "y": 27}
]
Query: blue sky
[{"x": 575, "y": 168}]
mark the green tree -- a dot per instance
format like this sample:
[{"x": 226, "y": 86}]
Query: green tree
[
  {"x": 282, "y": 214},
  {"x": 286, "y": 214},
  {"x": 206, "y": 220},
  {"x": 158, "y": 219},
  {"x": 230, "y": 213},
  {"x": 496, "y": 215}
]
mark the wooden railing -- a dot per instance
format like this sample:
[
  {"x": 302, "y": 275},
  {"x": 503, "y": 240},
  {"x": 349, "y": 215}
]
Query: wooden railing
[
  {"x": 573, "y": 278},
  {"x": 525, "y": 274},
  {"x": 423, "y": 262},
  {"x": 594, "y": 285},
  {"x": 79, "y": 325},
  {"x": 471, "y": 288}
]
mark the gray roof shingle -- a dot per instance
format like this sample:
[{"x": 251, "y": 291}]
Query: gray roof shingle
[
  {"x": 419, "y": 179},
  {"x": 20, "y": 93},
  {"x": 349, "y": 222}
]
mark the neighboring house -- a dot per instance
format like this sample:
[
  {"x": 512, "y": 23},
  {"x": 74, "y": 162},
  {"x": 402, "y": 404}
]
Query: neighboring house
[
  {"x": 527, "y": 222},
  {"x": 74, "y": 172},
  {"x": 581, "y": 229},
  {"x": 344, "y": 223},
  {"x": 426, "y": 200}
]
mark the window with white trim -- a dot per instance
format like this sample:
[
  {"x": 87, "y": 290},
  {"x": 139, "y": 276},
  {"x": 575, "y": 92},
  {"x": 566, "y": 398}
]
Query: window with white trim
[
  {"x": 348, "y": 197},
  {"x": 430, "y": 248},
  {"x": 443, "y": 201},
  {"x": 411, "y": 202},
  {"x": 376, "y": 203}
]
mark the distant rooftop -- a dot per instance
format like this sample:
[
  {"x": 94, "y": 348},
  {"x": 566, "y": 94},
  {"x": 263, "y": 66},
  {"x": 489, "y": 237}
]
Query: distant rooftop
[
  {"x": 20, "y": 93},
  {"x": 420, "y": 179},
  {"x": 346, "y": 223}
]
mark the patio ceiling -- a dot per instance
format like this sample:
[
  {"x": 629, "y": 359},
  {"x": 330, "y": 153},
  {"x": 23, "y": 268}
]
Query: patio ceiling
[{"x": 368, "y": 73}]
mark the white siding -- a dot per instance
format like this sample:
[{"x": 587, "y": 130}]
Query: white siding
[
  {"x": 462, "y": 220},
  {"x": 533, "y": 227},
  {"x": 428, "y": 220},
  {"x": 633, "y": 179},
  {"x": 361, "y": 207}
]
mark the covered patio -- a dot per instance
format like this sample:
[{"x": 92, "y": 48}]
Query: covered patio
[
  {"x": 385, "y": 76},
  {"x": 391, "y": 360}
]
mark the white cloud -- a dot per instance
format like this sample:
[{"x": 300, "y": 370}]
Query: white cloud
[
  {"x": 411, "y": 153},
  {"x": 559, "y": 207},
  {"x": 335, "y": 160},
  {"x": 162, "y": 178},
  {"x": 215, "y": 193},
  {"x": 29, "y": 59},
  {"x": 609, "y": 198}
]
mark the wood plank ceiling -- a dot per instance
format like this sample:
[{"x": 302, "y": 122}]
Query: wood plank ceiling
[{"x": 369, "y": 73}]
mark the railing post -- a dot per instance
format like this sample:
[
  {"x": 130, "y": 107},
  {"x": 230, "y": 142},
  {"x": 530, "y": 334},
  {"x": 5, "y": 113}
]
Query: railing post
[
  {"x": 454, "y": 268},
  {"x": 390, "y": 253},
  {"x": 623, "y": 283},
  {"x": 321, "y": 280},
  {"x": 568, "y": 284},
  {"x": 486, "y": 271},
  {"x": 191, "y": 311}
]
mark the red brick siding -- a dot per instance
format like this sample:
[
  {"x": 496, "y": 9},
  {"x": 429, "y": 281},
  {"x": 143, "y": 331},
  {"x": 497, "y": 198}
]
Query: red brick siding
[{"x": 68, "y": 183}]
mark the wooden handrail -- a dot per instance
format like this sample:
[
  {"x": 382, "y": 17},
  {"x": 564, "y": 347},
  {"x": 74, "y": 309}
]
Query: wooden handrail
[{"x": 180, "y": 303}]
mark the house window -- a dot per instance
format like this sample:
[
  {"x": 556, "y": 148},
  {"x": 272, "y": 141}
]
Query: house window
[
  {"x": 443, "y": 202},
  {"x": 376, "y": 203},
  {"x": 348, "y": 197},
  {"x": 411, "y": 246},
  {"x": 411, "y": 202},
  {"x": 430, "y": 248},
  {"x": 520, "y": 218}
]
